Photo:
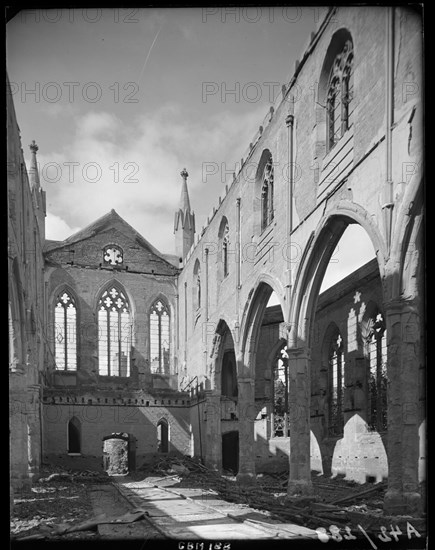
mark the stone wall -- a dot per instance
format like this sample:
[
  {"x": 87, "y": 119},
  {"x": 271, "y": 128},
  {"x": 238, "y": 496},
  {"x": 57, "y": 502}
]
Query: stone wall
[
  {"x": 373, "y": 177},
  {"x": 102, "y": 413},
  {"x": 141, "y": 290},
  {"x": 26, "y": 213}
]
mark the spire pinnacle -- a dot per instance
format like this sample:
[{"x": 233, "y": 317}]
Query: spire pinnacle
[
  {"x": 33, "y": 172},
  {"x": 184, "y": 222},
  {"x": 184, "y": 199}
]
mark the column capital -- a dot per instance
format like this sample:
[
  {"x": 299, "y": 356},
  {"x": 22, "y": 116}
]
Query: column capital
[
  {"x": 397, "y": 305},
  {"x": 298, "y": 353},
  {"x": 245, "y": 380}
]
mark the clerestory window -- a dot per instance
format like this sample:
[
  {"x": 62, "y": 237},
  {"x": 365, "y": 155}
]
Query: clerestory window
[
  {"x": 267, "y": 211},
  {"x": 339, "y": 106}
]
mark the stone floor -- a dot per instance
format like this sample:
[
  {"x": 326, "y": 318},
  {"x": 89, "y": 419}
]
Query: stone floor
[{"x": 192, "y": 514}]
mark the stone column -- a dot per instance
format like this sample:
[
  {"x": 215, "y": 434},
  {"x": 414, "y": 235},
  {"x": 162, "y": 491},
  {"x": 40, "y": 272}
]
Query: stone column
[
  {"x": 246, "y": 416},
  {"x": 299, "y": 398},
  {"x": 213, "y": 435},
  {"x": 33, "y": 431},
  {"x": 19, "y": 475},
  {"x": 403, "y": 352}
]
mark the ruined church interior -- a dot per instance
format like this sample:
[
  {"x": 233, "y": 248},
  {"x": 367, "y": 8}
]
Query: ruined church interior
[{"x": 230, "y": 358}]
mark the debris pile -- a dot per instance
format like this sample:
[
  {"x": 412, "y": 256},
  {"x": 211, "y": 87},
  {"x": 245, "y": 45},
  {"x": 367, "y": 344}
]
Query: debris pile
[
  {"x": 55, "y": 503},
  {"x": 73, "y": 476},
  {"x": 334, "y": 501}
]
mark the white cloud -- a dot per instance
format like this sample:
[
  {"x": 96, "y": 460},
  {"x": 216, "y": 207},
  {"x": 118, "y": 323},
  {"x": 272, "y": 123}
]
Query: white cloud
[
  {"x": 93, "y": 124},
  {"x": 57, "y": 229},
  {"x": 58, "y": 109},
  {"x": 135, "y": 168}
]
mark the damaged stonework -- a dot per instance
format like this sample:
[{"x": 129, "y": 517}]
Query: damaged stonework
[{"x": 228, "y": 352}]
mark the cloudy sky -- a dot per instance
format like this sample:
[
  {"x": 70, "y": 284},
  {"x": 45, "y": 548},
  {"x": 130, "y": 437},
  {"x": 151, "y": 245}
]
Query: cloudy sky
[{"x": 120, "y": 100}]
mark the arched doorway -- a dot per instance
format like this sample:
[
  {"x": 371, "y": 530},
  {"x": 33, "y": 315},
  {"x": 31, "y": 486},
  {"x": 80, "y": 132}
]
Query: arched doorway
[
  {"x": 74, "y": 436},
  {"x": 163, "y": 436},
  {"x": 222, "y": 401},
  {"x": 119, "y": 453},
  {"x": 263, "y": 337}
]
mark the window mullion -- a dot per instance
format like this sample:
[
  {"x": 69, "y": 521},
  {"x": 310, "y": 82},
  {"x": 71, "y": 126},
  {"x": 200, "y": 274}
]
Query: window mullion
[
  {"x": 108, "y": 341},
  {"x": 65, "y": 332},
  {"x": 160, "y": 342},
  {"x": 119, "y": 343},
  {"x": 340, "y": 376}
]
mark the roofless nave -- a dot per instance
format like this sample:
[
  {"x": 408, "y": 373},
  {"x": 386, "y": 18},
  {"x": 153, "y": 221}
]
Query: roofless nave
[{"x": 109, "y": 336}]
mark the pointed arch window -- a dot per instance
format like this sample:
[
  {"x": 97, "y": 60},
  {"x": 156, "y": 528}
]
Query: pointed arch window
[
  {"x": 159, "y": 337},
  {"x": 65, "y": 343},
  {"x": 339, "y": 105},
  {"x": 74, "y": 436},
  {"x": 336, "y": 385},
  {"x": 267, "y": 211},
  {"x": 115, "y": 333},
  {"x": 197, "y": 286},
  {"x": 225, "y": 248},
  {"x": 377, "y": 350},
  {"x": 163, "y": 436}
]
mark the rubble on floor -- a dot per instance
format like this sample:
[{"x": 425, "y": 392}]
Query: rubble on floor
[
  {"x": 55, "y": 503},
  {"x": 334, "y": 501},
  {"x": 75, "y": 476},
  {"x": 59, "y": 504}
]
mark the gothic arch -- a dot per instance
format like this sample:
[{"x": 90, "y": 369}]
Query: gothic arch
[
  {"x": 115, "y": 334},
  {"x": 53, "y": 327},
  {"x": 253, "y": 317},
  {"x": 163, "y": 298},
  {"x": 163, "y": 429},
  {"x": 196, "y": 288},
  {"x": 172, "y": 321},
  {"x": 266, "y": 155},
  {"x": 63, "y": 287},
  {"x": 276, "y": 286},
  {"x": 338, "y": 41},
  {"x": 222, "y": 334},
  {"x": 74, "y": 436},
  {"x": 119, "y": 286},
  {"x": 159, "y": 327},
  {"x": 223, "y": 249},
  {"x": 314, "y": 262}
]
